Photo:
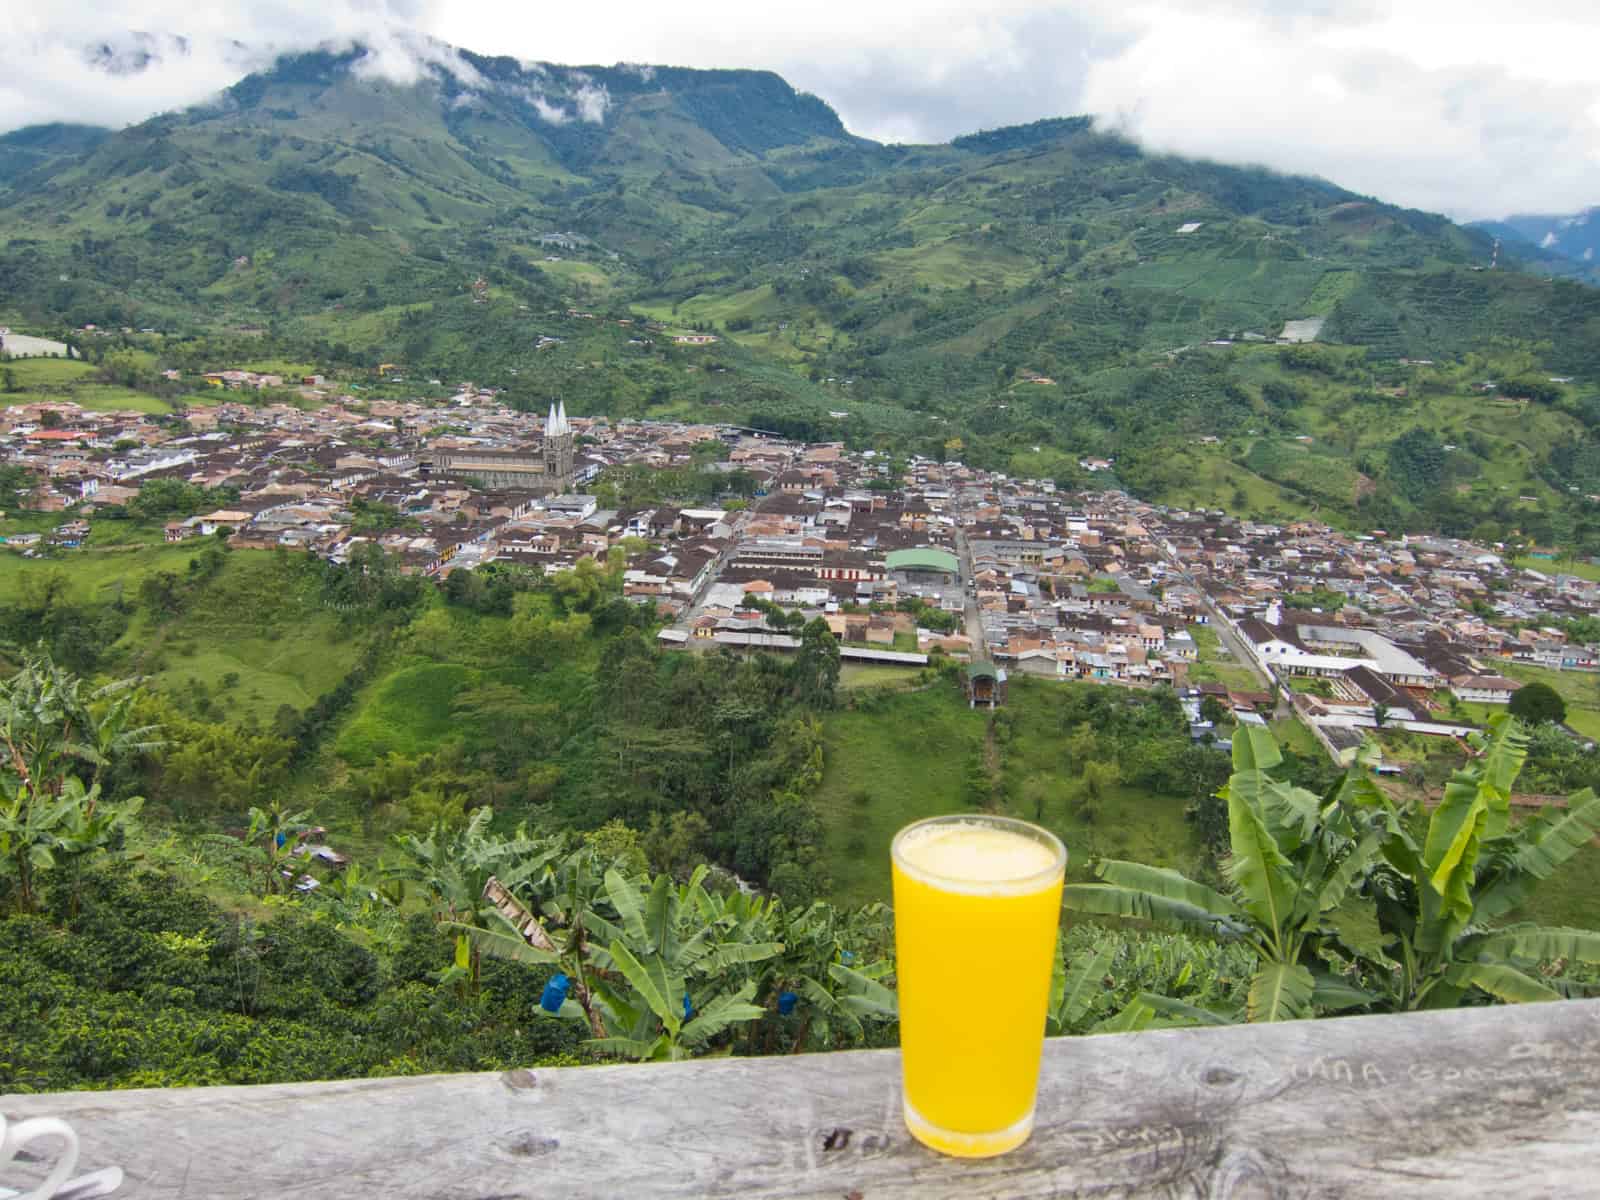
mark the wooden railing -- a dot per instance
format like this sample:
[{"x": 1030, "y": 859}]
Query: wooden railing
[{"x": 1488, "y": 1101}]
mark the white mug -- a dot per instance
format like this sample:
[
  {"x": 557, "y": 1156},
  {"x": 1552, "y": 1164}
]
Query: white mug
[{"x": 16, "y": 1135}]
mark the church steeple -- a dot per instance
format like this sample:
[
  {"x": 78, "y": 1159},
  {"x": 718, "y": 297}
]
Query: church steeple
[{"x": 558, "y": 450}]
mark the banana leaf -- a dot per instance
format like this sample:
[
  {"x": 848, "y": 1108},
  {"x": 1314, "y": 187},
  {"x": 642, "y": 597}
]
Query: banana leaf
[
  {"x": 1186, "y": 1014},
  {"x": 1539, "y": 944},
  {"x": 722, "y": 1010},
  {"x": 1254, "y": 749},
  {"x": 1258, "y": 868},
  {"x": 864, "y": 995},
  {"x": 652, "y": 984},
  {"x": 1279, "y": 992},
  {"x": 1542, "y": 845},
  {"x": 1501, "y": 981},
  {"x": 625, "y": 898},
  {"x": 661, "y": 915},
  {"x": 509, "y": 946},
  {"x": 1083, "y": 983},
  {"x": 819, "y": 996},
  {"x": 1134, "y": 1016},
  {"x": 1108, "y": 900},
  {"x": 638, "y": 1049},
  {"x": 1335, "y": 994},
  {"x": 1161, "y": 881}
]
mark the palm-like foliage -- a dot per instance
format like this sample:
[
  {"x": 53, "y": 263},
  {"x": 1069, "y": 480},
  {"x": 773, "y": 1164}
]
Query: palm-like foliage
[
  {"x": 454, "y": 864},
  {"x": 1295, "y": 858},
  {"x": 660, "y": 969},
  {"x": 52, "y": 724},
  {"x": 58, "y": 736},
  {"x": 1436, "y": 902},
  {"x": 838, "y": 999}
]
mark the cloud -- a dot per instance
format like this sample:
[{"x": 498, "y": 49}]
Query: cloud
[
  {"x": 592, "y": 101},
  {"x": 1468, "y": 137},
  {"x": 1460, "y": 106},
  {"x": 83, "y": 63},
  {"x": 550, "y": 113},
  {"x": 404, "y": 57}
]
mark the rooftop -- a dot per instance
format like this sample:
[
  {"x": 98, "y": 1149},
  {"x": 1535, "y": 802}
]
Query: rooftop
[{"x": 923, "y": 559}]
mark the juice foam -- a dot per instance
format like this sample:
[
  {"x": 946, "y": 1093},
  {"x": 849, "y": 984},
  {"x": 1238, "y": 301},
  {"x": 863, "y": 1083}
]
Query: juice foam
[{"x": 975, "y": 858}]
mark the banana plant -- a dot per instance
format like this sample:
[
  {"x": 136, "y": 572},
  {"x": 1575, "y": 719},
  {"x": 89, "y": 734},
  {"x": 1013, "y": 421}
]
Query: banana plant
[
  {"x": 1148, "y": 979},
  {"x": 1073, "y": 992},
  {"x": 1295, "y": 858},
  {"x": 1476, "y": 866},
  {"x": 453, "y": 866},
  {"x": 814, "y": 980},
  {"x": 660, "y": 970}
]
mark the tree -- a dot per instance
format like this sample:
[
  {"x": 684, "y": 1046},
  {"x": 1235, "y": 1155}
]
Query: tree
[
  {"x": 1416, "y": 463},
  {"x": 816, "y": 665},
  {"x": 657, "y": 971},
  {"x": 1538, "y": 703},
  {"x": 1213, "y": 710},
  {"x": 274, "y": 845},
  {"x": 1380, "y": 714},
  {"x": 58, "y": 738}
]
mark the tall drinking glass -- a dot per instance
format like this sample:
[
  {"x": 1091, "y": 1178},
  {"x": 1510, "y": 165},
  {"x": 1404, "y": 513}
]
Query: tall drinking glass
[{"x": 976, "y": 904}]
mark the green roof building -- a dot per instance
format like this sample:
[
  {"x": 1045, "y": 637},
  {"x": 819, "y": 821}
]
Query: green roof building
[{"x": 924, "y": 558}]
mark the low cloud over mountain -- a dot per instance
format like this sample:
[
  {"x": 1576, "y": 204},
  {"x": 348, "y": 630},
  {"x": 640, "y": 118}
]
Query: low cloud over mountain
[{"x": 1453, "y": 107}]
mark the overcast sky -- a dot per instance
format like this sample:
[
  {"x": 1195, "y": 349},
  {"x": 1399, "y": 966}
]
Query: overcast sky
[{"x": 1455, "y": 106}]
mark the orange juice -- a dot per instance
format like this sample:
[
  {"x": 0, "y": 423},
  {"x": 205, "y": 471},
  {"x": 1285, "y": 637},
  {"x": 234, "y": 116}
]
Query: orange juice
[{"x": 976, "y": 903}]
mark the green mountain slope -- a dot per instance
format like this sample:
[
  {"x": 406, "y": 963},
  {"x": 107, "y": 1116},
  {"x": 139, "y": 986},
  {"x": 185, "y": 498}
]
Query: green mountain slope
[{"x": 1038, "y": 293}]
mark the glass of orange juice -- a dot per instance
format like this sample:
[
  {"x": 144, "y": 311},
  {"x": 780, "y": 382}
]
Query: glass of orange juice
[{"x": 977, "y": 900}]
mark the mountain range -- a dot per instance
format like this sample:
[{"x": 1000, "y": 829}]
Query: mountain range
[
  {"x": 1030, "y": 294},
  {"x": 1571, "y": 239}
]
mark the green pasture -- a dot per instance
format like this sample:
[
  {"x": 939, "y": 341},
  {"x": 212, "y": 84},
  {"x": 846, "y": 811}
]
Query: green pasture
[{"x": 908, "y": 757}]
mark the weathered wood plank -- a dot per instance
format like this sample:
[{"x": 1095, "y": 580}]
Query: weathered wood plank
[{"x": 1503, "y": 1100}]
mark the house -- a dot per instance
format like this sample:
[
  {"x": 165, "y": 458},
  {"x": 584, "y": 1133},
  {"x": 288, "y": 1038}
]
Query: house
[
  {"x": 1483, "y": 689},
  {"x": 986, "y": 685}
]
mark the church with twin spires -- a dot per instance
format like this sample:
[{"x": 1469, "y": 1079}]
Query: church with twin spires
[
  {"x": 544, "y": 471},
  {"x": 557, "y": 449}
]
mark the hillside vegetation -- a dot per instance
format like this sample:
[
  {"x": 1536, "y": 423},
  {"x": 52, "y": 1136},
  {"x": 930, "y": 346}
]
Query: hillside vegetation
[{"x": 1030, "y": 294}]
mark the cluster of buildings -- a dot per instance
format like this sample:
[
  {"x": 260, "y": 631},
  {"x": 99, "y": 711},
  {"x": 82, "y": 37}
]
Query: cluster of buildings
[{"x": 899, "y": 557}]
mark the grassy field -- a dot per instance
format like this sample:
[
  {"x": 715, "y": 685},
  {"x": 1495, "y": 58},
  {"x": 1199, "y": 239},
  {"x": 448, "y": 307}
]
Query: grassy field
[
  {"x": 92, "y": 575},
  {"x": 259, "y": 624},
  {"x": 1580, "y": 689},
  {"x": 885, "y": 769},
  {"x": 1570, "y": 897},
  {"x": 57, "y": 379},
  {"x": 33, "y": 373},
  {"x": 255, "y": 639},
  {"x": 1292, "y": 735},
  {"x": 1582, "y": 568},
  {"x": 1214, "y": 665},
  {"x": 407, "y": 712},
  {"x": 909, "y": 757},
  {"x": 860, "y": 675}
]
